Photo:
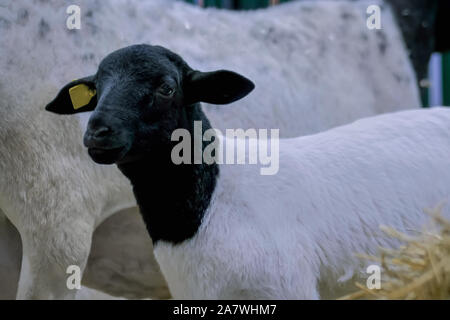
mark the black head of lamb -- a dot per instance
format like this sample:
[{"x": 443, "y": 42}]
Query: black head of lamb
[{"x": 139, "y": 96}]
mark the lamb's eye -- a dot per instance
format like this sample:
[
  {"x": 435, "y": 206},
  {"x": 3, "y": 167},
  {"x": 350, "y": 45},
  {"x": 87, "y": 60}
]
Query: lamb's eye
[{"x": 166, "y": 90}]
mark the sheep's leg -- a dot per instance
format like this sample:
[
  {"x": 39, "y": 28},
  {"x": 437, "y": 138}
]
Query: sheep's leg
[
  {"x": 47, "y": 255},
  {"x": 10, "y": 254}
]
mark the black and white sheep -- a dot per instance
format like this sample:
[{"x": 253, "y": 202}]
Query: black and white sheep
[
  {"x": 317, "y": 66},
  {"x": 228, "y": 232}
]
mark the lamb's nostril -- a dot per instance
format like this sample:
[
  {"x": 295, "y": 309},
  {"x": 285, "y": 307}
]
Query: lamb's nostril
[{"x": 101, "y": 132}]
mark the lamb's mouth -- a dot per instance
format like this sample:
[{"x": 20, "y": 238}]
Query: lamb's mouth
[{"x": 107, "y": 155}]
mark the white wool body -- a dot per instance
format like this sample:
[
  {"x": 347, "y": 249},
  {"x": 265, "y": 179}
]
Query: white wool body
[{"x": 326, "y": 204}]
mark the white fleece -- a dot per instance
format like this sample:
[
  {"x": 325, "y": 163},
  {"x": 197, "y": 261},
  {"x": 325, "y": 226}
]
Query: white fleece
[{"x": 279, "y": 237}]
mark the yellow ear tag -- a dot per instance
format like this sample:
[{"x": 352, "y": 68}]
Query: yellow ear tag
[{"x": 81, "y": 95}]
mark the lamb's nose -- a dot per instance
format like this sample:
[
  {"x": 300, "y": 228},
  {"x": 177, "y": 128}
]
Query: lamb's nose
[
  {"x": 101, "y": 132},
  {"x": 96, "y": 137}
]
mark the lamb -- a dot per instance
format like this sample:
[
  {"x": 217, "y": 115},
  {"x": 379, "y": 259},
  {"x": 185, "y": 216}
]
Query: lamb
[
  {"x": 349, "y": 80},
  {"x": 228, "y": 232}
]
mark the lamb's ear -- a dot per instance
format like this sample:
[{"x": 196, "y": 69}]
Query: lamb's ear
[
  {"x": 217, "y": 87},
  {"x": 76, "y": 96}
]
